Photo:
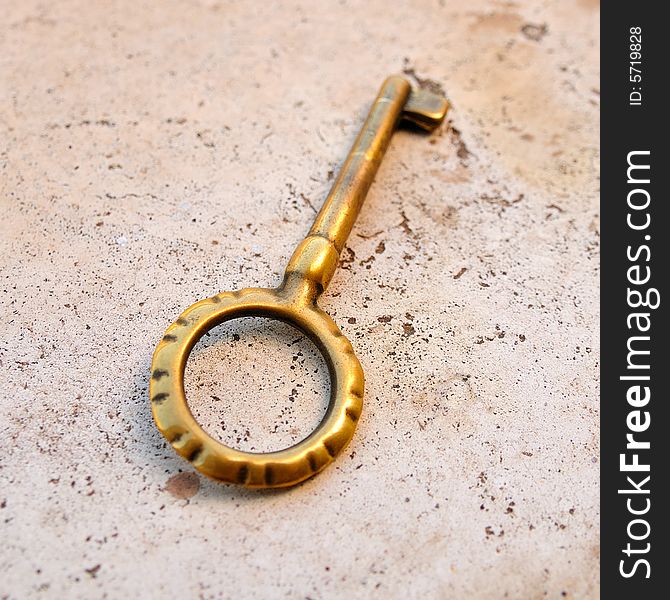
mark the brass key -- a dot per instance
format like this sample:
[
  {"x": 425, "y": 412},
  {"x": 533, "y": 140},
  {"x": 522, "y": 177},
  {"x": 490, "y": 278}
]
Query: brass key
[{"x": 307, "y": 275}]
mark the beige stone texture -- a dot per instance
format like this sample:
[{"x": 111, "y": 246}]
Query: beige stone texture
[{"x": 155, "y": 153}]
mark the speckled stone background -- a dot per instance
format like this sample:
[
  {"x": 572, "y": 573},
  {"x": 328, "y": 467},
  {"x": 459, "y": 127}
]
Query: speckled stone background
[{"x": 154, "y": 153}]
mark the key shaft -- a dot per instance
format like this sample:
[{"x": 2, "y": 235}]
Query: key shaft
[{"x": 317, "y": 256}]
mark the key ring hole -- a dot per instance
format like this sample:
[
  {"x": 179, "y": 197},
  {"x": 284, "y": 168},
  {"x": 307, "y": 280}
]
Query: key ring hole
[
  {"x": 266, "y": 469},
  {"x": 257, "y": 384}
]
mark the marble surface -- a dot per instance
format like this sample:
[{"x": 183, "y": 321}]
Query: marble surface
[{"x": 155, "y": 153}]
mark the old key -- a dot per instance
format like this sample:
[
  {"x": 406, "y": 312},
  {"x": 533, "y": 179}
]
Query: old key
[{"x": 307, "y": 275}]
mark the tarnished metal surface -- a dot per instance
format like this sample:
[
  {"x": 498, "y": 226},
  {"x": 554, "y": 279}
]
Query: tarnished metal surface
[{"x": 307, "y": 275}]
